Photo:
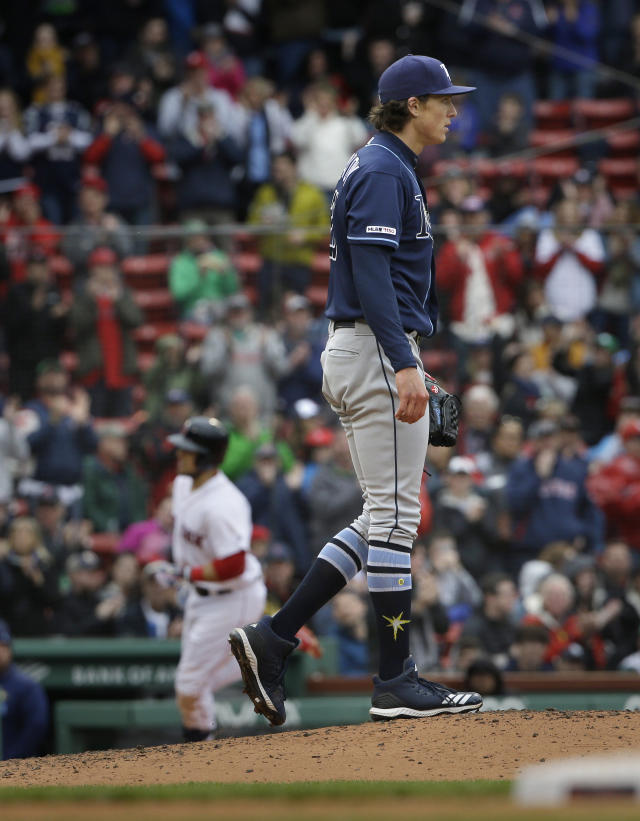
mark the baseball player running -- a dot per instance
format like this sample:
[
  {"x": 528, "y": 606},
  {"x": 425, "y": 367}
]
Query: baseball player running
[
  {"x": 211, "y": 537},
  {"x": 381, "y": 299}
]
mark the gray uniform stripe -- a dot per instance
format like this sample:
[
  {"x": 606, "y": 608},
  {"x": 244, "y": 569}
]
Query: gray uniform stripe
[
  {"x": 382, "y": 582},
  {"x": 356, "y": 542},
  {"x": 340, "y": 560},
  {"x": 351, "y": 553},
  {"x": 388, "y": 558}
]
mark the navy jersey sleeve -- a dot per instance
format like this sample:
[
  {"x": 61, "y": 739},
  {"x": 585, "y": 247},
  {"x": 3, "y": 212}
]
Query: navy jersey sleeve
[
  {"x": 375, "y": 207},
  {"x": 379, "y": 302},
  {"x": 374, "y": 218}
]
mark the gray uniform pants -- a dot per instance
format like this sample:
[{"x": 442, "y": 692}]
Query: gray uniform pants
[{"x": 388, "y": 456}]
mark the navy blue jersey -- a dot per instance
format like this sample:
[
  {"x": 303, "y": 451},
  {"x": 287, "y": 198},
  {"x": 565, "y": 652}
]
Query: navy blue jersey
[{"x": 380, "y": 202}]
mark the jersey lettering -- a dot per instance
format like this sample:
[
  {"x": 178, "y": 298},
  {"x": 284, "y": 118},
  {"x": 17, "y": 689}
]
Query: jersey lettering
[
  {"x": 193, "y": 538},
  {"x": 352, "y": 165},
  {"x": 425, "y": 219},
  {"x": 333, "y": 248}
]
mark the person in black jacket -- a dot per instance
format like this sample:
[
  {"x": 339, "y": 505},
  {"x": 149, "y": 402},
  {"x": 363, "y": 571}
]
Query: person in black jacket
[
  {"x": 89, "y": 608},
  {"x": 493, "y": 623},
  {"x": 25, "y": 710},
  {"x": 28, "y": 581},
  {"x": 154, "y": 612},
  {"x": 206, "y": 157},
  {"x": 35, "y": 319}
]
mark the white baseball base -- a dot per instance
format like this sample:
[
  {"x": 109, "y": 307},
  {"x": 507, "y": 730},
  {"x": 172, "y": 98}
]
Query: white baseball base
[{"x": 559, "y": 782}]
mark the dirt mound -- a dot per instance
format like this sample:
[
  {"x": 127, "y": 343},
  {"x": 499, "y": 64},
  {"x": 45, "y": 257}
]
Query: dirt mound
[{"x": 445, "y": 748}]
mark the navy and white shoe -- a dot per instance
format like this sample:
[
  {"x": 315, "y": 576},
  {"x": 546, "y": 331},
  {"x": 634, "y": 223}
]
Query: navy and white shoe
[
  {"x": 262, "y": 656},
  {"x": 408, "y": 696}
]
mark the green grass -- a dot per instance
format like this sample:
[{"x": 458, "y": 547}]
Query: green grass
[{"x": 292, "y": 792}]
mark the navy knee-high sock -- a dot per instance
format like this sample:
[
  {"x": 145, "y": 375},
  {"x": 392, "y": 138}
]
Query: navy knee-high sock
[
  {"x": 337, "y": 563},
  {"x": 389, "y": 582}
]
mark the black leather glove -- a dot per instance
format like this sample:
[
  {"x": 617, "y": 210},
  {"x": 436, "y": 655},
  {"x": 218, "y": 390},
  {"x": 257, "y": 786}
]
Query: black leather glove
[{"x": 444, "y": 413}]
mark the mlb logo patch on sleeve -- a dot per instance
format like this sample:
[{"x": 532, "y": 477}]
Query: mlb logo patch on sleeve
[{"x": 380, "y": 229}]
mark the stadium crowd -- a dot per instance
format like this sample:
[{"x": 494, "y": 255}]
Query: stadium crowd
[{"x": 227, "y": 123}]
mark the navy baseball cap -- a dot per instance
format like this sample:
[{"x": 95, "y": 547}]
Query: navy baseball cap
[{"x": 413, "y": 76}]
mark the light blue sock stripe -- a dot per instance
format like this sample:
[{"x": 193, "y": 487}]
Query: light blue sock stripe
[
  {"x": 355, "y": 542},
  {"x": 382, "y": 556},
  {"x": 339, "y": 559},
  {"x": 387, "y": 582}
]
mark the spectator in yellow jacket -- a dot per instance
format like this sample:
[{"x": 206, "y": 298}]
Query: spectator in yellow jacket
[{"x": 299, "y": 216}]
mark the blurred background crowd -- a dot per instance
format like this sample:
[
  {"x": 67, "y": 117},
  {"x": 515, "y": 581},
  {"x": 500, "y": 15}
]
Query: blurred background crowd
[{"x": 165, "y": 169}]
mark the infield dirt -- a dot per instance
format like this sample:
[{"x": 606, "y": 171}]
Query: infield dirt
[{"x": 492, "y": 745}]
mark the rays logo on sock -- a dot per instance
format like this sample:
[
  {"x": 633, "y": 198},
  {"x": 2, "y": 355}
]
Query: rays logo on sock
[{"x": 396, "y": 623}]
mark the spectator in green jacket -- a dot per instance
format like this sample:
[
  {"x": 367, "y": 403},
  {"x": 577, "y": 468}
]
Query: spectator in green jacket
[
  {"x": 247, "y": 434},
  {"x": 114, "y": 495},
  {"x": 201, "y": 276},
  {"x": 103, "y": 317},
  {"x": 299, "y": 214},
  {"x": 174, "y": 368}
]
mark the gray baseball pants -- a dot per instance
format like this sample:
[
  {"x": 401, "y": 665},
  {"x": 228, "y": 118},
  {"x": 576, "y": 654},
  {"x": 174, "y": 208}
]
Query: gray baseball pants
[{"x": 388, "y": 456}]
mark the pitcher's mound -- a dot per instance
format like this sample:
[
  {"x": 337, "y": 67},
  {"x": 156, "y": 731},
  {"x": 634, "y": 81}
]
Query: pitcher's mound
[{"x": 444, "y": 748}]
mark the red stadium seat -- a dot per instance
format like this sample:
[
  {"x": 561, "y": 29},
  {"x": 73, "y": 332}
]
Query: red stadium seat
[
  {"x": 62, "y": 269},
  {"x": 158, "y": 305},
  {"x": 624, "y": 144},
  {"x": 624, "y": 192},
  {"x": 60, "y": 266},
  {"x": 320, "y": 266},
  {"x": 552, "y": 114},
  {"x": 551, "y": 169},
  {"x": 144, "y": 272},
  {"x": 487, "y": 171},
  {"x": 146, "y": 335},
  {"x": 440, "y": 363},
  {"x": 193, "y": 332},
  {"x": 104, "y": 543},
  {"x": 245, "y": 241},
  {"x": 542, "y": 138},
  {"x": 247, "y": 264},
  {"x": 620, "y": 171},
  {"x": 598, "y": 113},
  {"x": 148, "y": 264}
]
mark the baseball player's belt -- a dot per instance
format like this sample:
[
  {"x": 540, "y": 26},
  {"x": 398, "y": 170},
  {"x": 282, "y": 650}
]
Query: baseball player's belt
[
  {"x": 203, "y": 591},
  {"x": 351, "y": 323}
]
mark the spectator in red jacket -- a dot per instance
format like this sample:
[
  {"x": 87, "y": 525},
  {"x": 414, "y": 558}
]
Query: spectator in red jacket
[
  {"x": 480, "y": 273},
  {"x": 103, "y": 317},
  {"x": 226, "y": 71},
  {"x": 615, "y": 488},
  {"x": 24, "y": 228},
  {"x": 126, "y": 151},
  {"x": 566, "y": 626}
]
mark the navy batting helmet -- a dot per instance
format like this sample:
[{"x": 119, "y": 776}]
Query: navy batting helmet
[{"x": 205, "y": 436}]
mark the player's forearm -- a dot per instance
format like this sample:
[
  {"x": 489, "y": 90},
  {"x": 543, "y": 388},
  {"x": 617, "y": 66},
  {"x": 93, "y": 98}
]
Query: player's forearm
[{"x": 217, "y": 570}]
